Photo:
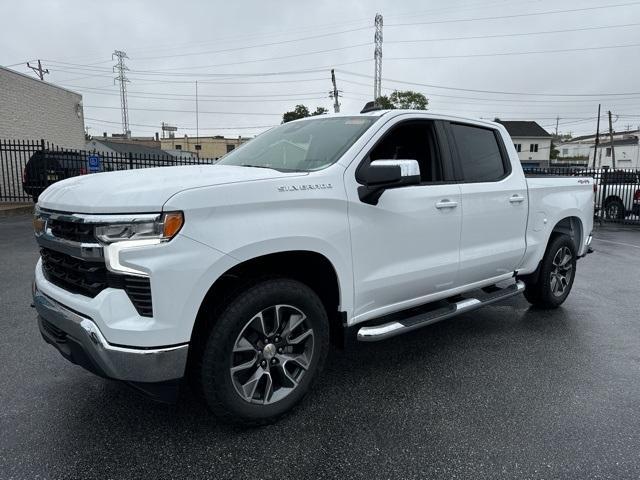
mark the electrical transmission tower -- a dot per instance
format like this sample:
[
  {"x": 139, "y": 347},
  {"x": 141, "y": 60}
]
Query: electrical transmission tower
[
  {"x": 377, "y": 77},
  {"x": 120, "y": 68}
]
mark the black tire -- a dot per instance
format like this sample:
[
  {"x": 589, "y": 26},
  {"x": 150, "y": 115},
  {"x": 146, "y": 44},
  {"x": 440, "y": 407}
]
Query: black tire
[
  {"x": 544, "y": 292},
  {"x": 212, "y": 370},
  {"x": 614, "y": 209}
]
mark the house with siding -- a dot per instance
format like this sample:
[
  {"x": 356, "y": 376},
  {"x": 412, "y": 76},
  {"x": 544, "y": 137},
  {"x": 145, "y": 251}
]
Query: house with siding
[{"x": 532, "y": 142}]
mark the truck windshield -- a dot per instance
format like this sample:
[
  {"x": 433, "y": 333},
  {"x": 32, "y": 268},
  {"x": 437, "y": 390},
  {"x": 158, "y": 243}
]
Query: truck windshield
[{"x": 301, "y": 146}]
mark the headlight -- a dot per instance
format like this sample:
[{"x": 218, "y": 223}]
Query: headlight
[{"x": 162, "y": 228}]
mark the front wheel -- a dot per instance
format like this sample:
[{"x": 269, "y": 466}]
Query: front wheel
[
  {"x": 557, "y": 272},
  {"x": 264, "y": 351}
]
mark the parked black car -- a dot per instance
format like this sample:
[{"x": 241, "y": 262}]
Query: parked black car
[{"x": 46, "y": 167}]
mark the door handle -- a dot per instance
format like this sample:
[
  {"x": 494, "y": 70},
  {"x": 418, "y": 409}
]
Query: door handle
[
  {"x": 446, "y": 203},
  {"x": 516, "y": 198}
]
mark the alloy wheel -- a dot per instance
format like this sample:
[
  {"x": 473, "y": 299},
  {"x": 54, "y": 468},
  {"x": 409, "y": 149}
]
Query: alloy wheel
[
  {"x": 561, "y": 271},
  {"x": 272, "y": 354}
]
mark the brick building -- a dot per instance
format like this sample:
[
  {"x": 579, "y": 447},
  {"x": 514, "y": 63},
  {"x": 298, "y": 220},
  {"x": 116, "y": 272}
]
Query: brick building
[{"x": 31, "y": 109}]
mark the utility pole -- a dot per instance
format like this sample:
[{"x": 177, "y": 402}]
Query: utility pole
[
  {"x": 334, "y": 94},
  {"x": 377, "y": 56},
  {"x": 613, "y": 152},
  {"x": 595, "y": 147},
  {"x": 557, "y": 121},
  {"x": 120, "y": 68},
  {"x": 39, "y": 70},
  {"x": 197, "y": 118}
]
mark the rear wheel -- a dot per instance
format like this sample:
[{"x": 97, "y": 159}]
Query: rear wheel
[
  {"x": 613, "y": 209},
  {"x": 557, "y": 272},
  {"x": 263, "y": 352}
]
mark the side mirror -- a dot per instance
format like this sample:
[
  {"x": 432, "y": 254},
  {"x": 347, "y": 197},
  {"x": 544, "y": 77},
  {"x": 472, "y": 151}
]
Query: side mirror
[{"x": 381, "y": 175}]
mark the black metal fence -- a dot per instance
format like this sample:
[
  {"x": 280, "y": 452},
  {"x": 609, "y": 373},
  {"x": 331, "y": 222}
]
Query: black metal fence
[
  {"x": 27, "y": 167},
  {"x": 617, "y": 192}
]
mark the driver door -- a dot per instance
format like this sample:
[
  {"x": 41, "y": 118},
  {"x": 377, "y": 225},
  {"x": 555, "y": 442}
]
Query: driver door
[{"x": 406, "y": 247}]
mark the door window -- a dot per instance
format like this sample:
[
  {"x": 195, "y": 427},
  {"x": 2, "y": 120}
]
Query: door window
[
  {"x": 415, "y": 140},
  {"x": 480, "y": 155}
]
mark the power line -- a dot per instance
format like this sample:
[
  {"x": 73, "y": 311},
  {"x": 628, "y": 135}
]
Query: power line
[
  {"x": 63, "y": 66},
  {"x": 184, "y": 111},
  {"x": 502, "y": 54},
  {"x": 503, "y": 35},
  {"x": 517, "y": 15},
  {"x": 493, "y": 100},
  {"x": 240, "y": 127},
  {"x": 260, "y": 45},
  {"x": 497, "y": 92},
  {"x": 67, "y": 68}
]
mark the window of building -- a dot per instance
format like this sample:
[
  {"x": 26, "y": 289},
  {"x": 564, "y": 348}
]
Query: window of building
[
  {"x": 230, "y": 147},
  {"x": 198, "y": 147},
  {"x": 533, "y": 147},
  {"x": 479, "y": 152},
  {"x": 518, "y": 147},
  {"x": 178, "y": 147},
  {"x": 565, "y": 151},
  {"x": 608, "y": 154}
]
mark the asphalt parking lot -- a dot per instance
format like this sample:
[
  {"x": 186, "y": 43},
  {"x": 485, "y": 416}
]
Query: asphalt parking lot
[{"x": 504, "y": 392}]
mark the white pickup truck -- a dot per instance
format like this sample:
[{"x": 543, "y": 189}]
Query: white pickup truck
[{"x": 336, "y": 228}]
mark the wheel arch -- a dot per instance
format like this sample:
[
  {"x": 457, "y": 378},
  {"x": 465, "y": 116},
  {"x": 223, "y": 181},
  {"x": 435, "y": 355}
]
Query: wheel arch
[
  {"x": 571, "y": 226},
  {"x": 307, "y": 266}
]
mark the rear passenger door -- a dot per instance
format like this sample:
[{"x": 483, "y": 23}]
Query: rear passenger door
[{"x": 494, "y": 204}]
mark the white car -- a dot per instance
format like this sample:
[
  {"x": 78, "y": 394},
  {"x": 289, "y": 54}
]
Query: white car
[
  {"x": 617, "y": 192},
  {"x": 336, "y": 228}
]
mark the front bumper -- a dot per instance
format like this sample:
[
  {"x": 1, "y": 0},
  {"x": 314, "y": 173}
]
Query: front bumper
[{"x": 80, "y": 341}]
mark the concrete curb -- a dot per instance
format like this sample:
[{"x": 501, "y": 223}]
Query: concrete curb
[{"x": 17, "y": 210}]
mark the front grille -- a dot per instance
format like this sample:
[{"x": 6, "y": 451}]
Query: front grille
[
  {"x": 74, "y": 274},
  {"x": 90, "y": 278},
  {"x": 77, "y": 232}
]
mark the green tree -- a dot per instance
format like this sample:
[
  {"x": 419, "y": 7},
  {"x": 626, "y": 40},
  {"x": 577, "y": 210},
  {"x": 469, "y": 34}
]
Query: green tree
[
  {"x": 405, "y": 99},
  {"x": 384, "y": 102},
  {"x": 301, "y": 111}
]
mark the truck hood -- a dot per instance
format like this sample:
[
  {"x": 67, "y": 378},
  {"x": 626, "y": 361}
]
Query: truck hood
[{"x": 142, "y": 190}]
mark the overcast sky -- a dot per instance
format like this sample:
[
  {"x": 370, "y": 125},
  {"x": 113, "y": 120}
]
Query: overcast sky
[{"x": 235, "y": 50}]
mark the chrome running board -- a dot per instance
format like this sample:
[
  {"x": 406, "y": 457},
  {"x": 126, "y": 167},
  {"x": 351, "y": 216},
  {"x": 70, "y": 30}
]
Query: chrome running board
[{"x": 451, "y": 308}]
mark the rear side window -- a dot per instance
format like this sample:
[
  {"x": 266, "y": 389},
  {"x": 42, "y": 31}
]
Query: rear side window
[{"x": 480, "y": 156}]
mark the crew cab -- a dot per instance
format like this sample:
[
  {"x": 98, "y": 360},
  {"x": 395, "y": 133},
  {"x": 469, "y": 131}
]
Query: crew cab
[{"x": 337, "y": 228}]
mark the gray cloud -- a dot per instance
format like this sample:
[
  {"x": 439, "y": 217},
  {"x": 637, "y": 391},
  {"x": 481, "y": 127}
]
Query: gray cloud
[{"x": 76, "y": 39}]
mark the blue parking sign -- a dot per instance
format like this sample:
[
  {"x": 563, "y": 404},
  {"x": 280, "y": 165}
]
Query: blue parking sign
[{"x": 93, "y": 162}]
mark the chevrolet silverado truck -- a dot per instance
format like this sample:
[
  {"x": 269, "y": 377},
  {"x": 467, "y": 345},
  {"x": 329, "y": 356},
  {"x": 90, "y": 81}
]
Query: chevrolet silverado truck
[{"x": 236, "y": 277}]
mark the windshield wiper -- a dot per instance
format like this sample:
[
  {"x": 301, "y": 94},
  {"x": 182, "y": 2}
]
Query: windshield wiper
[
  {"x": 281, "y": 170},
  {"x": 259, "y": 166}
]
